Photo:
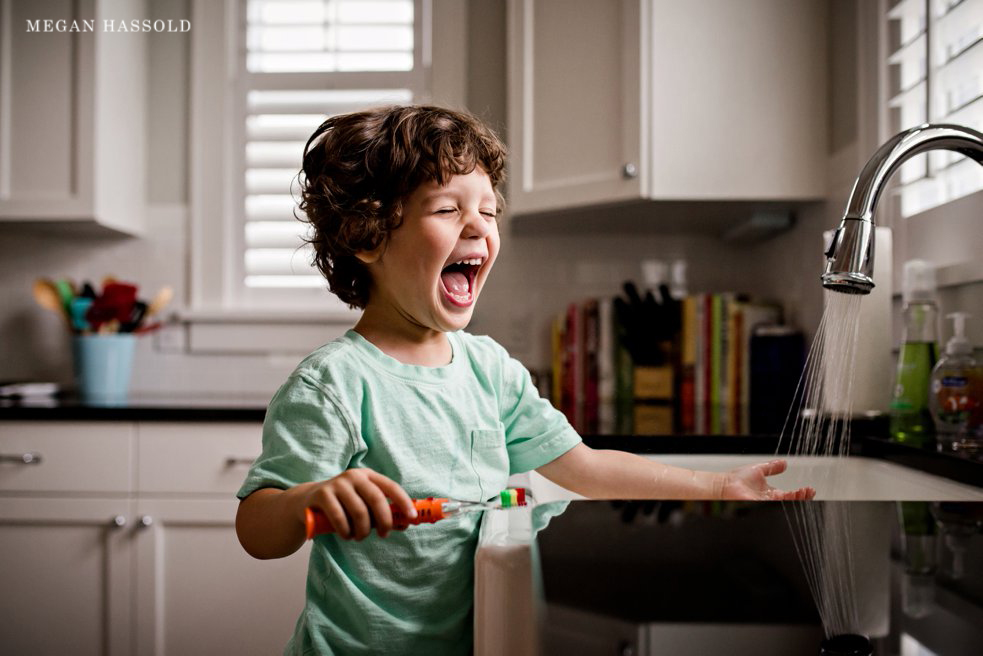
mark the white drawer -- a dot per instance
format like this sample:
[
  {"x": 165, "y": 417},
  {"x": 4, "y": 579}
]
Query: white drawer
[
  {"x": 66, "y": 456},
  {"x": 195, "y": 458}
]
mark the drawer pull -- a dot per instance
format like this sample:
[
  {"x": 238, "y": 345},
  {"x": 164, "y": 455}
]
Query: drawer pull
[
  {"x": 146, "y": 521},
  {"x": 29, "y": 458},
  {"x": 233, "y": 461},
  {"x": 119, "y": 521}
]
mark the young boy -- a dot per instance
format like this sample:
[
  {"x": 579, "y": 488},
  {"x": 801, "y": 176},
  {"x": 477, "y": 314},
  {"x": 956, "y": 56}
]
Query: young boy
[{"x": 404, "y": 206}]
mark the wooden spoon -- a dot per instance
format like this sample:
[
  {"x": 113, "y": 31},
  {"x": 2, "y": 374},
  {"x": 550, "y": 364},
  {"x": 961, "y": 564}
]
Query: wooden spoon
[
  {"x": 159, "y": 301},
  {"x": 47, "y": 296}
]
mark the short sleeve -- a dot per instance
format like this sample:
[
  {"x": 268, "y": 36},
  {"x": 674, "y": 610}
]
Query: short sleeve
[
  {"x": 307, "y": 436},
  {"x": 535, "y": 432}
]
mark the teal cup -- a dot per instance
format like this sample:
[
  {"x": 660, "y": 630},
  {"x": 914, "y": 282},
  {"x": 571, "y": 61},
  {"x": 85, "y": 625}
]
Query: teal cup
[{"x": 103, "y": 366}]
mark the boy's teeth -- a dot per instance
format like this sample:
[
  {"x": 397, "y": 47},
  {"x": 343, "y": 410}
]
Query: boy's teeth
[{"x": 473, "y": 261}]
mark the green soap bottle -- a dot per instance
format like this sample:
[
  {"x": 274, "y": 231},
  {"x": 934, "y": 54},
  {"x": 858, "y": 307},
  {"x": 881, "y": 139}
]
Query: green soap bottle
[{"x": 910, "y": 419}]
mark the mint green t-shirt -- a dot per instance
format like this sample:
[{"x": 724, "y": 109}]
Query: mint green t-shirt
[{"x": 456, "y": 431}]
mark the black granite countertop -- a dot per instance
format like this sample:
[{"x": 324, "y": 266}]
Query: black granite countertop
[{"x": 242, "y": 408}]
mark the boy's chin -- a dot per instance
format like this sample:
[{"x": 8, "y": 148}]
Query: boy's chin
[
  {"x": 457, "y": 318},
  {"x": 458, "y": 321}
]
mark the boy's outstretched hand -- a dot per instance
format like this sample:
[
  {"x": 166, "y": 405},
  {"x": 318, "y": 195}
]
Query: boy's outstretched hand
[
  {"x": 748, "y": 483},
  {"x": 357, "y": 500}
]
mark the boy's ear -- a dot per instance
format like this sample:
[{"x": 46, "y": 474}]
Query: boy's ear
[{"x": 369, "y": 257}]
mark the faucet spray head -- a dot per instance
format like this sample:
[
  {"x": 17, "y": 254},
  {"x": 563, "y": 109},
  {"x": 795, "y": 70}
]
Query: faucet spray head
[{"x": 850, "y": 257}]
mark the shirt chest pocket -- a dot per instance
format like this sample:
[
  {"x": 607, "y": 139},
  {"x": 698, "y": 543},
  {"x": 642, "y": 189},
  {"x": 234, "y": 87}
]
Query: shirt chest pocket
[{"x": 490, "y": 460}]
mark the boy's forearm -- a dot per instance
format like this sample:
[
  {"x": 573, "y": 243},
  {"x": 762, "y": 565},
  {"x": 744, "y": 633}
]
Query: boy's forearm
[
  {"x": 268, "y": 522},
  {"x": 604, "y": 474}
]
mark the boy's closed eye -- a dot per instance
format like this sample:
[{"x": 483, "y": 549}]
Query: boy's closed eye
[{"x": 487, "y": 213}]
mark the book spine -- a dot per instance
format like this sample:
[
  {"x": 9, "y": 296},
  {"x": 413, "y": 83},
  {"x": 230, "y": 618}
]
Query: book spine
[
  {"x": 716, "y": 329},
  {"x": 624, "y": 393},
  {"x": 754, "y": 315},
  {"x": 558, "y": 355},
  {"x": 606, "y": 362},
  {"x": 733, "y": 368},
  {"x": 570, "y": 378},
  {"x": 687, "y": 385},
  {"x": 702, "y": 377},
  {"x": 591, "y": 338}
]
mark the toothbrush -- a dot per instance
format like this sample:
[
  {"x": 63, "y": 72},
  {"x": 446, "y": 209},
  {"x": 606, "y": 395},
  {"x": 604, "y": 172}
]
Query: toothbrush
[{"x": 428, "y": 511}]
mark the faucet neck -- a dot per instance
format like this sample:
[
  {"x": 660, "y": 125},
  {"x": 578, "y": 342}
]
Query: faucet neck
[{"x": 900, "y": 148}]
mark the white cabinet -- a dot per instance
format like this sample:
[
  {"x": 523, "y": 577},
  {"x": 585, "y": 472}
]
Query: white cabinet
[
  {"x": 65, "y": 569},
  {"x": 198, "y": 591},
  {"x": 119, "y": 538},
  {"x": 65, "y": 504},
  {"x": 636, "y": 100},
  {"x": 72, "y": 107}
]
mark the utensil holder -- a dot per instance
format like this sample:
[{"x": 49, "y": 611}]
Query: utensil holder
[{"x": 103, "y": 366}]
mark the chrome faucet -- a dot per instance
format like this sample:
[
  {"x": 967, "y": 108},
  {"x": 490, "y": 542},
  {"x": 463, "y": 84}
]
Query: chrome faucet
[{"x": 850, "y": 256}]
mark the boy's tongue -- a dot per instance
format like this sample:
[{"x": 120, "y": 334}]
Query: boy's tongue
[{"x": 455, "y": 282}]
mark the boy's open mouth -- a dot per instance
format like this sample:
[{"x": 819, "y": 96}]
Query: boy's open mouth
[{"x": 457, "y": 279}]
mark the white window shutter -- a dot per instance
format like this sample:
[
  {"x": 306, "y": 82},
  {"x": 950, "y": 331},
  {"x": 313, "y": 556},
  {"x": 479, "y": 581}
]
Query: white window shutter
[
  {"x": 936, "y": 75},
  {"x": 304, "y": 61}
]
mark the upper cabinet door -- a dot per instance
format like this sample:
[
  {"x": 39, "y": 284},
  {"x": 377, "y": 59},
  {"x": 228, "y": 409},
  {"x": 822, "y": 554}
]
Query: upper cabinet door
[
  {"x": 738, "y": 99},
  {"x": 574, "y": 115},
  {"x": 703, "y": 100},
  {"x": 45, "y": 91},
  {"x": 72, "y": 106}
]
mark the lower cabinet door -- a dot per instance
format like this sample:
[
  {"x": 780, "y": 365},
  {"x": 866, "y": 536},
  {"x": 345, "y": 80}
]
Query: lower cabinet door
[
  {"x": 199, "y": 592},
  {"x": 65, "y": 576}
]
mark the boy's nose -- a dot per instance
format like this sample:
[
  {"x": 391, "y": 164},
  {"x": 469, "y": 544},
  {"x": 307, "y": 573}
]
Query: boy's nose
[{"x": 476, "y": 227}]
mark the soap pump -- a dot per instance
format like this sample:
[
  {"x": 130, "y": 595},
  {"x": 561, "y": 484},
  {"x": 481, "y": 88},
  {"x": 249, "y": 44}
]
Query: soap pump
[
  {"x": 910, "y": 418},
  {"x": 954, "y": 396}
]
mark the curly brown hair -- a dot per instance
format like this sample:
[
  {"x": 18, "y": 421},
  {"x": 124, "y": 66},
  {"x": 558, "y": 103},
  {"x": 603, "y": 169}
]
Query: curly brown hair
[{"x": 360, "y": 167}]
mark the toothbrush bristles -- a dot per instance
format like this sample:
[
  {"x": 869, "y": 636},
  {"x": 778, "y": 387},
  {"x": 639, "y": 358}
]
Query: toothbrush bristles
[{"x": 513, "y": 497}]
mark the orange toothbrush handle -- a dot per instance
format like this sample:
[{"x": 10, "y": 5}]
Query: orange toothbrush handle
[{"x": 428, "y": 511}]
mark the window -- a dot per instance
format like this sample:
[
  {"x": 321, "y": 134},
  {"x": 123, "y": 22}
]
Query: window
[
  {"x": 935, "y": 75},
  {"x": 301, "y": 62},
  {"x": 264, "y": 75}
]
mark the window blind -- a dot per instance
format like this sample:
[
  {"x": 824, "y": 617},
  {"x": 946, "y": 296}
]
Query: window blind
[
  {"x": 935, "y": 75},
  {"x": 304, "y": 61}
]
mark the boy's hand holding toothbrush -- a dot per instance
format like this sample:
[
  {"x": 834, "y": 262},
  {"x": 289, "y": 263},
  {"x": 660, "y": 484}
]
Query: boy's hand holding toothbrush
[{"x": 356, "y": 501}]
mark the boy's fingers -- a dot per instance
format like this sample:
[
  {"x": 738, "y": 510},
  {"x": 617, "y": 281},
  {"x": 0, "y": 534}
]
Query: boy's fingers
[
  {"x": 772, "y": 467},
  {"x": 802, "y": 494},
  {"x": 396, "y": 493},
  {"x": 377, "y": 504},
  {"x": 336, "y": 515},
  {"x": 357, "y": 510}
]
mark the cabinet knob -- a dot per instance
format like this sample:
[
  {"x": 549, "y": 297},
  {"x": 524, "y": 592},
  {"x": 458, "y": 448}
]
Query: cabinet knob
[
  {"x": 119, "y": 521},
  {"x": 626, "y": 649},
  {"x": 146, "y": 521},
  {"x": 29, "y": 458},
  {"x": 629, "y": 171}
]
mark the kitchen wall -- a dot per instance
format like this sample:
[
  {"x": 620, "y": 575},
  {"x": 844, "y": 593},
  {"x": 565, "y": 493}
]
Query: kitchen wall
[{"x": 535, "y": 277}]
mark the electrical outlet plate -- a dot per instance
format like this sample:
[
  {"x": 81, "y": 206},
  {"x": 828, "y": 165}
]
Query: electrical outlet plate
[{"x": 172, "y": 338}]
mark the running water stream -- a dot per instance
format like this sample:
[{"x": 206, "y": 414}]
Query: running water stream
[{"x": 818, "y": 424}]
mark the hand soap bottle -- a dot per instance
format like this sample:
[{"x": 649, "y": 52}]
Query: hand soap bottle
[
  {"x": 954, "y": 399},
  {"x": 910, "y": 419}
]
